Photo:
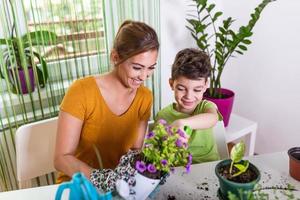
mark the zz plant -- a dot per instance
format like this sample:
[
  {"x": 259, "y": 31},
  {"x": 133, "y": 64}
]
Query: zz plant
[{"x": 220, "y": 42}]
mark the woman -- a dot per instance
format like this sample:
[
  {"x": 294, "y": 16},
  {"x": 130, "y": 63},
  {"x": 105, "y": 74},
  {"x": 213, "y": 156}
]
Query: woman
[{"x": 108, "y": 113}]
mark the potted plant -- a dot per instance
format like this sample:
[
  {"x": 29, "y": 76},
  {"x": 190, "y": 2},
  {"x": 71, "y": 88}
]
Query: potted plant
[
  {"x": 221, "y": 42},
  {"x": 294, "y": 162},
  {"x": 140, "y": 171},
  {"x": 236, "y": 176},
  {"x": 19, "y": 59}
]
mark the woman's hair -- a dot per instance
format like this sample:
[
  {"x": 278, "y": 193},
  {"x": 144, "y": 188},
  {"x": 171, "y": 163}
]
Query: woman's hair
[
  {"x": 134, "y": 37},
  {"x": 192, "y": 64}
]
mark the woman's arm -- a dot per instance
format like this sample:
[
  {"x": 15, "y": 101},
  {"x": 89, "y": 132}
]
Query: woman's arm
[
  {"x": 199, "y": 121},
  {"x": 141, "y": 135},
  {"x": 67, "y": 139}
]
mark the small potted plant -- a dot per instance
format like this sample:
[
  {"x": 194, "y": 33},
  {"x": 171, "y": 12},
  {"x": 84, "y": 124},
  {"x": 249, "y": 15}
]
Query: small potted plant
[
  {"x": 163, "y": 150},
  {"x": 19, "y": 58},
  {"x": 221, "y": 43},
  {"x": 237, "y": 176},
  {"x": 294, "y": 162},
  {"x": 140, "y": 171}
]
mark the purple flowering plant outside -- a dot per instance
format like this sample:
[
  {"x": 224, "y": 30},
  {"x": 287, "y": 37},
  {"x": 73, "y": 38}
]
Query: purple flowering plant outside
[{"x": 163, "y": 150}]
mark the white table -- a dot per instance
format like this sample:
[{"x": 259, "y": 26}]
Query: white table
[
  {"x": 240, "y": 127},
  {"x": 201, "y": 183}
]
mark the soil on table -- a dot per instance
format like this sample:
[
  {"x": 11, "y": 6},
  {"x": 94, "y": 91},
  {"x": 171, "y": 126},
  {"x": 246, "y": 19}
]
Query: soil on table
[{"x": 246, "y": 177}]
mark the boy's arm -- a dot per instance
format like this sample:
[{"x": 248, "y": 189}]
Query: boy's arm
[{"x": 200, "y": 121}]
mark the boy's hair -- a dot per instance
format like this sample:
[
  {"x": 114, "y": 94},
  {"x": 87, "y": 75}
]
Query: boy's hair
[{"x": 192, "y": 64}]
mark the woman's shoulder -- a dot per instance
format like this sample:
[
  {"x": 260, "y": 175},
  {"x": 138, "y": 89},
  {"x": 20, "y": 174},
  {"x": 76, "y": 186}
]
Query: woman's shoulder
[
  {"x": 84, "y": 83},
  {"x": 144, "y": 91}
]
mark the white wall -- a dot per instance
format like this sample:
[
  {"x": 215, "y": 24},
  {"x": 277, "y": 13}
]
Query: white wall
[
  {"x": 174, "y": 37},
  {"x": 266, "y": 79}
]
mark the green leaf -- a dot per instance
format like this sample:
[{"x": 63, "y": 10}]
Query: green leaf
[
  {"x": 242, "y": 47},
  {"x": 42, "y": 74},
  {"x": 5, "y": 41},
  {"x": 237, "y": 152},
  {"x": 210, "y": 7},
  {"x": 245, "y": 41},
  {"x": 39, "y": 38},
  {"x": 217, "y": 14},
  {"x": 239, "y": 52}
]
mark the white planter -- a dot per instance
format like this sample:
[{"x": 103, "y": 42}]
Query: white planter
[{"x": 143, "y": 187}]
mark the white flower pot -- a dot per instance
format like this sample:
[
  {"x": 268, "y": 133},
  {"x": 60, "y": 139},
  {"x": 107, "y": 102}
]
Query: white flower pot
[{"x": 143, "y": 187}]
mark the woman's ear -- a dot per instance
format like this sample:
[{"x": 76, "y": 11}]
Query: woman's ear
[
  {"x": 171, "y": 82},
  {"x": 114, "y": 56}
]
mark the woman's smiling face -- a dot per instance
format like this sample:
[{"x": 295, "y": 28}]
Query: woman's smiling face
[
  {"x": 136, "y": 69},
  {"x": 188, "y": 93}
]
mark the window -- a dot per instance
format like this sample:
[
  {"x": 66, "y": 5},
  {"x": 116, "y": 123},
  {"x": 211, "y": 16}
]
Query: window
[{"x": 78, "y": 24}]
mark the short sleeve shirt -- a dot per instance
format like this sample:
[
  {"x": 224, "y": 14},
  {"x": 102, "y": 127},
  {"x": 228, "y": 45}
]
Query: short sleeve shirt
[
  {"x": 103, "y": 131},
  {"x": 202, "y": 144}
]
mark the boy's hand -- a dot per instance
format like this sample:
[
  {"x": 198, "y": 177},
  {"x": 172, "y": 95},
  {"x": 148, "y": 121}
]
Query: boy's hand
[{"x": 180, "y": 124}]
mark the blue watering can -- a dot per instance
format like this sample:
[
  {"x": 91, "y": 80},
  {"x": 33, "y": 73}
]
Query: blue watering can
[{"x": 81, "y": 189}]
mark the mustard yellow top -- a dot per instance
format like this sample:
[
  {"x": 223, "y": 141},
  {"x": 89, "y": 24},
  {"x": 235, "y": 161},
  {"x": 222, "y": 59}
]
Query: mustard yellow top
[{"x": 112, "y": 135}]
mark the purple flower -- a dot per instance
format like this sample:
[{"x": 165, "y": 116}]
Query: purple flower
[
  {"x": 181, "y": 133},
  {"x": 169, "y": 130},
  {"x": 151, "y": 168},
  {"x": 178, "y": 143},
  {"x": 164, "y": 162},
  {"x": 150, "y": 134},
  {"x": 185, "y": 145},
  {"x": 190, "y": 158},
  {"x": 172, "y": 169},
  {"x": 140, "y": 166},
  {"x": 188, "y": 168},
  {"x": 162, "y": 121}
]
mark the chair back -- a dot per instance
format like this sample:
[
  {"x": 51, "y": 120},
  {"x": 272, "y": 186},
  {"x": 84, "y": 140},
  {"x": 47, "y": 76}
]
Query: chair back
[
  {"x": 219, "y": 134},
  {"x": 35, "y": 146},
  {"x": 150, "y": 125}
]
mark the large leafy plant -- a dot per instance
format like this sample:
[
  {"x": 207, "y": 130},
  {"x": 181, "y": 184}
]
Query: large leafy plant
[
  {"x": 218, "y": 39},
  {"x": 18, "y": 53},
  {"x": 163, "y": 150}
]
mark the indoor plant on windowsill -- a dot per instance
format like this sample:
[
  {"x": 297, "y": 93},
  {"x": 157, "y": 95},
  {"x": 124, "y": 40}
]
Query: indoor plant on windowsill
[
  {"x": 19, "y": 60},
  {"x": 236, "y": 176},
  {"x": 226, "y": 44}
]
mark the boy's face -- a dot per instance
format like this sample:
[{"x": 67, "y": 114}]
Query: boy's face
[{"x": 188, "y": 93}]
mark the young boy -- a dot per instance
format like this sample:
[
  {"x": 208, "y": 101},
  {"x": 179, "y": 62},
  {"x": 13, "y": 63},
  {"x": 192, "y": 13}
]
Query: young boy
[{"x": 189, "y": 81}]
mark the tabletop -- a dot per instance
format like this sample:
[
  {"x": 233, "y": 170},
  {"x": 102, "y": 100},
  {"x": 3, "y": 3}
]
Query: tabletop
[{"x": 201, "y": 183}]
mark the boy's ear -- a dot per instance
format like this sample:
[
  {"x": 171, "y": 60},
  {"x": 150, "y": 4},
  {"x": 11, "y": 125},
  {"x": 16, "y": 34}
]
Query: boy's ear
[
  {"x": 207, "y": 83},
  {"x": 171, "y": 82}
]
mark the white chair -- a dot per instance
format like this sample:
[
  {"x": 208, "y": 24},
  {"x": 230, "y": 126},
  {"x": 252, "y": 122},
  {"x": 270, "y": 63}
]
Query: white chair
[
  {"x": 35, "y": 145},
  {"x": 150, "y": 125},
  {"x": 219, "y": 134}
]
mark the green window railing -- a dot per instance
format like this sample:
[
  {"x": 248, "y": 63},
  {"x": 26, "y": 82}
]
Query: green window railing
[{"x": 52, "y": 43}]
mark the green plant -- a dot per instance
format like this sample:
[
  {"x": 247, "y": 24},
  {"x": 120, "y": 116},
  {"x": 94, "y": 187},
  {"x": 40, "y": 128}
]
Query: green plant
[
  {"x": 236, "y": 156},
  {"x": 163, "y": 150},
  {"x": 19, "y": 54},
  {"x": 227, "y": 42}
]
